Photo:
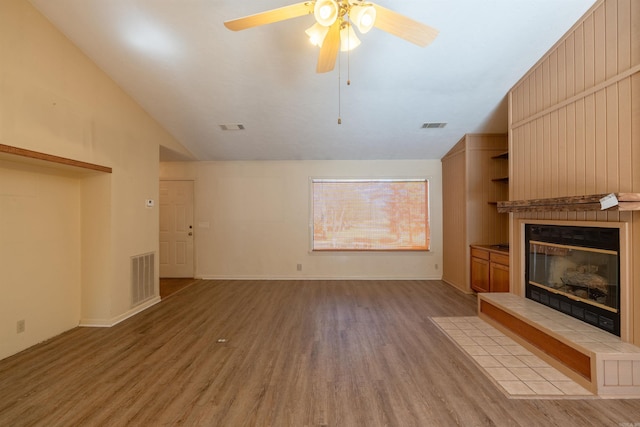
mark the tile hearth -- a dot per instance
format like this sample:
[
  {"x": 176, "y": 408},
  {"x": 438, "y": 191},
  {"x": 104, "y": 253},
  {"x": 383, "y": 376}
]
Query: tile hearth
[
  {"x": 599, "y": 361},
  {"x": 514, "y": 369}
]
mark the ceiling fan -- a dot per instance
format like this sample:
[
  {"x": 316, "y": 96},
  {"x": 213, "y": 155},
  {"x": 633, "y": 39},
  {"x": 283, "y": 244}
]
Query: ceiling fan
[{"x": 335, "y": 19}]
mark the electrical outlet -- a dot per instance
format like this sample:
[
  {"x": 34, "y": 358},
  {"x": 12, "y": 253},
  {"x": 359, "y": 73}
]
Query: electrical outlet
[
  {"x": 20, "y": 326},
  {"x": 299, "y": 267}
]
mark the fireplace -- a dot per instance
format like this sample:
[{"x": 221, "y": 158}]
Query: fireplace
[{"x": 575, "y": 270}]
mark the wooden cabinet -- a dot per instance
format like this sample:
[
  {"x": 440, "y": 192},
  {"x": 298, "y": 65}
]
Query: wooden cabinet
[
  {"x": 468, "y": 189},
  {"x": 489, "y": 269},
  {"x": 498, "y": 277},
  {"x": 480, "y": 270}
]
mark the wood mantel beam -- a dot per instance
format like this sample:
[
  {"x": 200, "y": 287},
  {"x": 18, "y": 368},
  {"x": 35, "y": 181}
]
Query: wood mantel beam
[{"x": 626, "y": 202}]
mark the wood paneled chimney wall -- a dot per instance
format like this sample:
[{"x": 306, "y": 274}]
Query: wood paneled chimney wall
[{"x": 574, "y": 127}]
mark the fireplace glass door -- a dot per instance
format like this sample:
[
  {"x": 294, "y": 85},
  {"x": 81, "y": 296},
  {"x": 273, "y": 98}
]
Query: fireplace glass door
[{"x": 581, "y": 281}]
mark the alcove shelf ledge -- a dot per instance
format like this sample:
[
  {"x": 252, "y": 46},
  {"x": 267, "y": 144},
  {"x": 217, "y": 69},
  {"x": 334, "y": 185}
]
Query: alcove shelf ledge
[
  {"x": 21, "y": 155},
  {"x": 592, "y": 202}
]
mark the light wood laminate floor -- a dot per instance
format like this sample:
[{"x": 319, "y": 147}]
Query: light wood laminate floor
[
  {"x": 170, "y": 286},
  {"x": 297, "y": 353}
]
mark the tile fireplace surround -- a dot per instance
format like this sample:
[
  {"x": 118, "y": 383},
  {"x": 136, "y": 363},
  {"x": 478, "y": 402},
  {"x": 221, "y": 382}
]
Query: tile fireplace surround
[
  {"x": 575, "y": 269},
  {"x": 608, "y": 366},
  {"x": 519, "y": 254}
]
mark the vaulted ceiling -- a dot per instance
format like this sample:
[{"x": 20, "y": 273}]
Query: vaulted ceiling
[{"x": 179, "y": 62}]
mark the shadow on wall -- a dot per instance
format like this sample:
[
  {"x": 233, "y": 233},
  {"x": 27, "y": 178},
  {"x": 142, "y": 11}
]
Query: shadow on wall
[{"x": 497, "y": 120}]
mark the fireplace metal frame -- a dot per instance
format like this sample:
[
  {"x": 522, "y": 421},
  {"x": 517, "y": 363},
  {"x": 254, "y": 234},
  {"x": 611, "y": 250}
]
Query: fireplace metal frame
[
  {"x": 519, "y": 253},
  {"x": 564, "y": 240}
]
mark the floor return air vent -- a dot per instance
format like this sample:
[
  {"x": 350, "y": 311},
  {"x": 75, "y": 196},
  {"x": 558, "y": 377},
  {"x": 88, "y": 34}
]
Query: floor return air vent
[{"x": 142, "y": 278}]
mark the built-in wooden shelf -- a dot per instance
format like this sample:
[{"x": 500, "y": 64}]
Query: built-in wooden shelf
[
  {"x": 504, "y": 179},
  {"x": 504, "y": 155},
  {"x": 51, "y": 159},
  {"x": 626, "y": 202}
]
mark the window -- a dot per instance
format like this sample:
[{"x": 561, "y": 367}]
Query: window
[{"x": 370, "y": 214}]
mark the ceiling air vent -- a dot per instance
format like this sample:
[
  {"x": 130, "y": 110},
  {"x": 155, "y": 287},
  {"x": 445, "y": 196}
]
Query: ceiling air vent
[
  {"x": 232, "y": 126},
  {"x": 433, "y": 125}
]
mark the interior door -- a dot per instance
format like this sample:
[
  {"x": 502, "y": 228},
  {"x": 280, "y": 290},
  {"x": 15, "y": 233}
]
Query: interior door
[{"x": 176, "y": 229}]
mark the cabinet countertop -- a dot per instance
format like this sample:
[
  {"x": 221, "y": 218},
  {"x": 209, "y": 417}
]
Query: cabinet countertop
[{"x": 500, "y": 249}]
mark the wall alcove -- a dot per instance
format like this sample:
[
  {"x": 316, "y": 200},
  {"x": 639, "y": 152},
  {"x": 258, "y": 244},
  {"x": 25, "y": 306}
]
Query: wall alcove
[{"x": 55, "y": 232}]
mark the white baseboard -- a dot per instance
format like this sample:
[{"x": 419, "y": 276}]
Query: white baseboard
[
  {"x": 216, "y": 277},
  {"x": 107, "y": 323}
]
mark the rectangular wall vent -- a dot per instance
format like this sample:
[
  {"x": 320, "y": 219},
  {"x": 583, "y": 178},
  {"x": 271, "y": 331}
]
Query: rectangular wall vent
[
  {"x": 232, "y": 126},
  {"x": 433, "y": 125},
  {"x": 142, "y": 278}
]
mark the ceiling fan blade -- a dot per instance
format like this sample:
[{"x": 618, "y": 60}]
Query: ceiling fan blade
[
  {"x": 403, "y": 27},
  {"x": 329, "y": 49},
  {"x": 270, "y": 16}
]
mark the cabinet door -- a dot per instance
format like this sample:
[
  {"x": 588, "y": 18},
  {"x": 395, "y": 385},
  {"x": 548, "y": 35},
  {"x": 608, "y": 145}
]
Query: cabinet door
[
  {"x": 499, "y": 277},
  {"x": 480, "y": 274}
]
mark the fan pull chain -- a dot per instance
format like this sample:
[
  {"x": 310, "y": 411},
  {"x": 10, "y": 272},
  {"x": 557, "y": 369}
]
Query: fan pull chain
[
  {"x": 339, "y": 99},
  {"x": 340, "y": 72},
  {"x": 348, "y": 59}
]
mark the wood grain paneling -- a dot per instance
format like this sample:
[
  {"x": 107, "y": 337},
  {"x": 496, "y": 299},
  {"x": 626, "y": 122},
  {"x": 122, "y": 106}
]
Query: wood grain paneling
[
  {"x": 574, "y": 121},
  {"x": 467, "y": 173},
  {"x": 625, "y": 157},
  {"x": 454, "y": 220}
]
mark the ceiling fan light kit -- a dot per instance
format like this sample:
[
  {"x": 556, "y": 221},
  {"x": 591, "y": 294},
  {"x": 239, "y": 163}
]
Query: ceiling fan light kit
[
  {"x": 348, "y": 38},
  {"x": 364, "y": 17},
  {"x": 326, "y": 12},
  {"x": 317, "y": 33},
  {"x": 333, "y": 30}
]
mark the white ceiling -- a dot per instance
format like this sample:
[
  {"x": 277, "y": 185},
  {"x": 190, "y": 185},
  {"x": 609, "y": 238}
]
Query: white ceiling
[{"x": 188, "y": 71}]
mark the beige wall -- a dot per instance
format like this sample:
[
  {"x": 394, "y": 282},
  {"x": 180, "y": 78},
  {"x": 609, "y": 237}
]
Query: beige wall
[
  {"x": 258, "y": 220},
  {"x": 54, "y": 100},
  {"x": 40, "y": 275},
  {"x": 575, "y": 125}
]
